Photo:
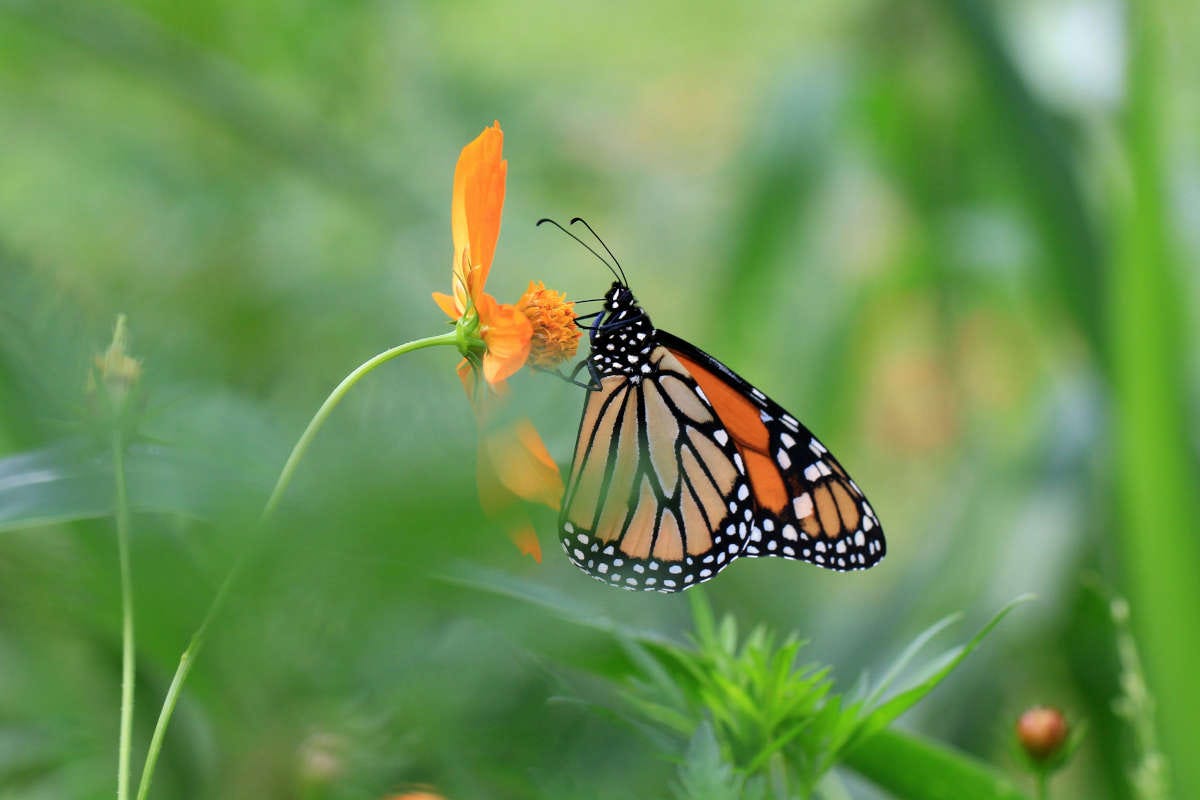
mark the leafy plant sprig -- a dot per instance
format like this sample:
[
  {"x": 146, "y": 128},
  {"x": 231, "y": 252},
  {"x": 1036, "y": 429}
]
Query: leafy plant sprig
[{"x": 774, "y": 721}]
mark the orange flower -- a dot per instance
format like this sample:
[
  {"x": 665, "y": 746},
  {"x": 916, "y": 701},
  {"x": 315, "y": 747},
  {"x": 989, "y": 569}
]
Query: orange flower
[
  {"x": 475, "y": 209},
  {"x": 498, "y": 339}
]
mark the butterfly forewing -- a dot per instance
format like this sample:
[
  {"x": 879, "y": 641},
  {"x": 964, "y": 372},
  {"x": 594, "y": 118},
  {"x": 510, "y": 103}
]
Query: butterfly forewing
[{"x": 809, "y": 508}]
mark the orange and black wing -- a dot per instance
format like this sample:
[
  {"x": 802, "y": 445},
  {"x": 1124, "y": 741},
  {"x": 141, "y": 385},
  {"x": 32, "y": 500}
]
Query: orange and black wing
[
  {"x": 658, "y": 497},
  {"x": 806, "y": 505},
  {"x": 682, "y": 469}
]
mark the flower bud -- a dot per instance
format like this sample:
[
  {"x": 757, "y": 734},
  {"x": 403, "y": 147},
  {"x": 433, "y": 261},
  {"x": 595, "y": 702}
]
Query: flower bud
[
  {"x": 1041, "y": 732},
  {"x": 115, "y": 372}
]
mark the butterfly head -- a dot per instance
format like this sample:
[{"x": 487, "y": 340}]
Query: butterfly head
[{"x": 619, "y": 297}]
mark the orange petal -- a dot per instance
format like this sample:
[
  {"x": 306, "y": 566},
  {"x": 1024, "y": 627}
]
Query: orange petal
[
  {"x": 482, "y": 399},
  {"x": 476, "y": 206},
  {"x": 470, "y": 380},
  {"x": 448, "y": 304},
  {"x": 527, "y": 542},
  {"x": 519, "y": 460},
  {"x": 508, "y": 334},
  {"x": 498, "y": 501}
]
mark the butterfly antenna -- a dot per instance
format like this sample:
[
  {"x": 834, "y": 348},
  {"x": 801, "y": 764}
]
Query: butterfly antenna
[
  {"x": 590, "y": 249},
  {"x": 602, "y": 244}
]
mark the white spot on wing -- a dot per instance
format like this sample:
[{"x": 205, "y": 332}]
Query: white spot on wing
[{"x": 803, "y": 505}]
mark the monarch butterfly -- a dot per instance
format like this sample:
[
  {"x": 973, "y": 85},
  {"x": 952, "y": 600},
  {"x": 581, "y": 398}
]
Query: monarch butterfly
[{"x": 681, "y": 466}]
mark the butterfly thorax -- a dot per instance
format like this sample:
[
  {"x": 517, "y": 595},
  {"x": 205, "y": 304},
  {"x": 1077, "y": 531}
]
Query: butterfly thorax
[{"x": 623, "y": 337}]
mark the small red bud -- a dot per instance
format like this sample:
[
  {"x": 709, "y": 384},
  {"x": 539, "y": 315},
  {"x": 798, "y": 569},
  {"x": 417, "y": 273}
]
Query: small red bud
[{"x": 1041, "y": 731}]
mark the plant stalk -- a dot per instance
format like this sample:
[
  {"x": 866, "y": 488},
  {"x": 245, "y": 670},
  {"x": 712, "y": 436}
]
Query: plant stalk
[
  {"x": 187, "y": 659},
  {"x": 127, "y": 640}
]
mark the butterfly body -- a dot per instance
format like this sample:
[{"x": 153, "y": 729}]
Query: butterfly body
[
  {"x": 622, "y": 338},
  {"x": 681, "y": 467}
]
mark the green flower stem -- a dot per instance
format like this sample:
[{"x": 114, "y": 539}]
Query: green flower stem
[
  {"x": 187, "y": 659},
  {"x": 127, "y": 643},
  {"x": 335, "y": 397}
]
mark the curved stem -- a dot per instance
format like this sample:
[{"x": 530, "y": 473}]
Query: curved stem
[
  {"x": 127, "y": 642},
  {"x": 187, "y": 659},
  {"x": 335, "y": 397}
]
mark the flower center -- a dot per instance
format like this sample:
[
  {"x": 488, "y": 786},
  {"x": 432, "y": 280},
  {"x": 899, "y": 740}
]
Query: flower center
[{"x": 555, "y": 334}]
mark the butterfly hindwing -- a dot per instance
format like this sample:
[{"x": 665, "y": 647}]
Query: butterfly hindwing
[
  {"x": 658, "y": 496},
  {"x": 809, "y": 508}
]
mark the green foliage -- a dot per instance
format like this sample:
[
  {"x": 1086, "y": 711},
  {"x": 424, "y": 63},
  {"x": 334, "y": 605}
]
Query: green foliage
[
  {"x": 1135, "y": 705},
  {"x": 953, "y": 237},
  {"x": 706, "y": 774},
  {"x": 918, "y": 769},
  {"x": 773, "y": 720}
]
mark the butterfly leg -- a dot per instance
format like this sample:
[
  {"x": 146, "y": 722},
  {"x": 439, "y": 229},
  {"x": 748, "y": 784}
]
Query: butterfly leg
[
  {"x": 593, "y": 379},
  {"x": 593, "y": 383}
]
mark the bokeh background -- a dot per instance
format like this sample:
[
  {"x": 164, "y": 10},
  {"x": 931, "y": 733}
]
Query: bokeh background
[{"x": 958, "y": 238}]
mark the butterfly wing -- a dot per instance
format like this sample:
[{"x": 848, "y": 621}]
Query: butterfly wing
[
  {"x": 658, "y": 497},
  {"x": 680, "y": 470},
  {"x": 807, "y": 506}
]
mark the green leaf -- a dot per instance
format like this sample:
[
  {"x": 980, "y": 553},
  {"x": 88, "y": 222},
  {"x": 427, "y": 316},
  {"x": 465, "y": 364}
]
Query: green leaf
[
  {"x": 73, "y": 481},
  {"x": 887, "y": 712},
  {"x": 910, "y": 652},
  {"x": 917, "y": 769},
  {"x": 559, "y": 604}
]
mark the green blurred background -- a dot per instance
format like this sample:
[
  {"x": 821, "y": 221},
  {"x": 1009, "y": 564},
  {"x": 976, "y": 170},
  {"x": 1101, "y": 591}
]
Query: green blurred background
[{"x": 957, "y": 238}]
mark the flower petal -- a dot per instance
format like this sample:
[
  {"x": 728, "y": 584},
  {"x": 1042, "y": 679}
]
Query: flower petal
[
  {"x": 508, "y": 334},
  {"x": 518, "y": 459},
  {"x": 448, "y": 304},
  {"x": 499, "y": 502},
  {"x": 527, "y": 542},
  {"x": 476, "y": 205}
]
